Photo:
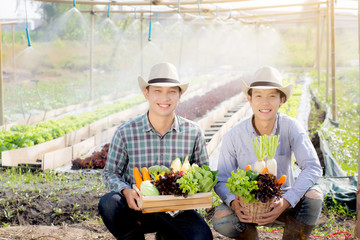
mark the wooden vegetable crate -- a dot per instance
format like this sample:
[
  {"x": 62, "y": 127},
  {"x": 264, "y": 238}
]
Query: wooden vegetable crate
[{"x": 164, "y": 203}]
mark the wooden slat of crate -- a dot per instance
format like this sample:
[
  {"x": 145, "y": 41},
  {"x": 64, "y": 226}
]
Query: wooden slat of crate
[
  {"x": 175, "y": 208},
  {"x": 174, "y": 203}
]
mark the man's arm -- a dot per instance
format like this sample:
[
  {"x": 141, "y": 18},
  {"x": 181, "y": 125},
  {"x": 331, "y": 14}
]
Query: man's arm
[
  {"x": 226, "y": 163},
  {"x": 308, "y": 162},
  {"x": 114, "y": 169}
]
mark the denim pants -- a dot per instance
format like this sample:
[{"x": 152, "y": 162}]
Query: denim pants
[
  {"x": 126, "y": 223},
  {"x": 307, "y": 211}
]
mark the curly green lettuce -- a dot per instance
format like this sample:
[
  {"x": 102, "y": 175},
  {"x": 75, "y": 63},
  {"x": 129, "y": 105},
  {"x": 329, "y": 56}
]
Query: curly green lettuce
[{"x": 241, "y": 185}]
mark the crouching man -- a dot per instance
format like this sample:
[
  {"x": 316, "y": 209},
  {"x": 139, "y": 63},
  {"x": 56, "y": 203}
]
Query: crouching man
[{"x": 300, "y": 206}]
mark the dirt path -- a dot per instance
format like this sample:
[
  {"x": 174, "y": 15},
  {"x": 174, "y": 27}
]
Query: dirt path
[{"x": 86, "y": 230}]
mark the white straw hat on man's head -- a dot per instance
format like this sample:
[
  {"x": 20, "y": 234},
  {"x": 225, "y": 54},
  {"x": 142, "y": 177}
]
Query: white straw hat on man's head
[
  {"x": 267, "y": 78},
  {"x": 163, "y": 75}
]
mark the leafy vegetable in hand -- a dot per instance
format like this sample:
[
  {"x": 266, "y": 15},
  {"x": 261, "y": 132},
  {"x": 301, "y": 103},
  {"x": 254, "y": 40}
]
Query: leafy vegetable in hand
[
  {"x": 188, "y": 183},
  {"x": 241, "y": 185},
  {"x": 268, "y": 188},
  {"x": 167, "y": 184},
  {"x": 252, "y": 175},
  {"x": 149, "y": 189},
  {"x": 156, "y": 170},
  {"x": 198, "y": 179}
]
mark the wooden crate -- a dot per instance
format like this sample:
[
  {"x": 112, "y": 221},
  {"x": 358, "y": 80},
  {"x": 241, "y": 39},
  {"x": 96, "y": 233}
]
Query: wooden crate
[{"x": 164, "y": 203}]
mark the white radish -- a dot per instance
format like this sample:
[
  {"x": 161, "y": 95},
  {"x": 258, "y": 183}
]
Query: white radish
[
  {"x": 271, "y": 144},
  {"x": 271, "y": 164},
  {"x": 259, "y": 166},
  {"x": 259, "y": 147}
]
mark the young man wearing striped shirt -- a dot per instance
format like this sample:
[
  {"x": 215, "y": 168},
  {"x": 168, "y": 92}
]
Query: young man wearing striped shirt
[{"x": 155, "y": 138}]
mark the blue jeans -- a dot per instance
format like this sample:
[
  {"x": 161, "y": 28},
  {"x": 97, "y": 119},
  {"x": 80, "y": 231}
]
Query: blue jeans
[
  {"x": 307, "y": 211},
  {"x": 126, "y": 223}
]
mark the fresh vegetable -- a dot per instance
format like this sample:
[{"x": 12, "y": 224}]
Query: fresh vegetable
[
  {"x": 145, "y": 174},
  {"x": 265, "y": 170},
  {"x": 176, "y": 165},
  {"x": 198, "y": 179},
  {"x": 252, "y": 175},
  {"x": 189, "y": 184},
  {"x": 241, "y": 185},
  {"x": 259, "y": 147},
  {"x": 138, "y": 178},
  {"x": 149, "y": 189},
  {"x": 167, "y": 184},
  {"x": 268, "y": 188},
  {"x": 281, "y": 180},
  {"x": 186, "y": 165},
  {"x": 271, "y": 144},
  {"x": 253, "y": 186},
  {"x": 157, "y": 170},
  {"x": 248, "y": 167}
]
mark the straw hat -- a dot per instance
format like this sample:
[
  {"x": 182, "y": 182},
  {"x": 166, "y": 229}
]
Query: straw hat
[
  {"x": 163, "y": 75},
  {"x": 267, "y": 78}
]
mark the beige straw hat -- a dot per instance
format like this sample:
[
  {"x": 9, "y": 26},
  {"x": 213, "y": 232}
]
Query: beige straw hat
[
  {"x": 163, "y": 75},
  {"x": 267, "y": 78}
]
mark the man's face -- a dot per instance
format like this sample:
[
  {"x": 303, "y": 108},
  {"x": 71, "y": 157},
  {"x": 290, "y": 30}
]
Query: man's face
[
  {"x": 265, "y": 103},
  {"x": 162, "y": 100}
]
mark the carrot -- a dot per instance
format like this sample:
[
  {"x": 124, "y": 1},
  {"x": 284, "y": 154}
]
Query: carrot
[
  {"x": 138, "y": 178},
  {"x": 248, "y": 167},
  {"x": 282, "y": 180},
  {"x": 265, "y": 170},
  {"x": 145, "y": 173}
]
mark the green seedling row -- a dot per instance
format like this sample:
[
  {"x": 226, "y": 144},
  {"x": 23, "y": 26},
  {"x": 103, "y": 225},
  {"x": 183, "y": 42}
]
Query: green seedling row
[{"x": 21, "y": 136}]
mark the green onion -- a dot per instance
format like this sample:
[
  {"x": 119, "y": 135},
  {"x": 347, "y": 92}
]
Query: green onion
[
  {"x": 271, "y": 144},
  {"x": 259, "y": 147}
]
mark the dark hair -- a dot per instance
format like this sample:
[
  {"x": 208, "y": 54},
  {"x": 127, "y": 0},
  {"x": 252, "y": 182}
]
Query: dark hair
[
  {"x": 149, "y": 86},
  {"x": 282, "y": 94}
]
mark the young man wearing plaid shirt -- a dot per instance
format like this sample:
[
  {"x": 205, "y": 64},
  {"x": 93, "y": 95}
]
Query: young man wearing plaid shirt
[{"x": 155, "y": 138}]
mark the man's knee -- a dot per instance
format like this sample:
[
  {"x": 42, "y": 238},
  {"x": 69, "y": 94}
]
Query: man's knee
[
  {"x": 222, "y": 213},
  {"x": 314, "y": 194},
  {"x": 109, "y": 203},
  {"x": 226, "y": 222}
]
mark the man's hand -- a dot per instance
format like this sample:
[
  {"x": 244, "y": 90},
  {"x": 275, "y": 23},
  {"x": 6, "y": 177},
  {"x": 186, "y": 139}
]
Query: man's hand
[
  {"x": 240, "y": 211},
  {"x": 132, "y": 197},
  {"x": 278, "y": 208}
]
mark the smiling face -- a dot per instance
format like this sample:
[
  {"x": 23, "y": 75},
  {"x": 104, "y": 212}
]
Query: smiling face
[
  {"x": 162, "y": 100},
  {"x": 265, "y": 104}
]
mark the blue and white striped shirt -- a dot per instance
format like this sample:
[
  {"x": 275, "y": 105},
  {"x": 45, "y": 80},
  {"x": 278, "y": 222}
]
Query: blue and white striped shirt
[{"x": 237, "y": 151}]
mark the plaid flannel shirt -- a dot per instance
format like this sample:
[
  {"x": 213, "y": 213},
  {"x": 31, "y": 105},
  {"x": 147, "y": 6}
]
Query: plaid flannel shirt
[{"x": 136, "y": 144}]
